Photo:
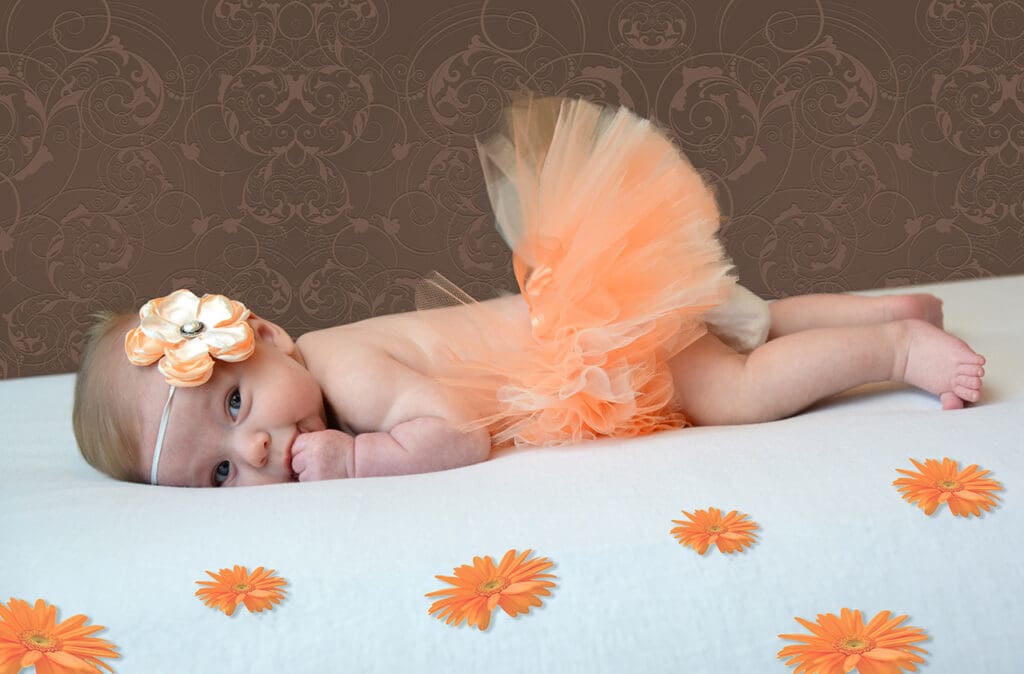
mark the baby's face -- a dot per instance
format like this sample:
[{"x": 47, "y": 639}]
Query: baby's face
[{"x": 238, "y": 428}]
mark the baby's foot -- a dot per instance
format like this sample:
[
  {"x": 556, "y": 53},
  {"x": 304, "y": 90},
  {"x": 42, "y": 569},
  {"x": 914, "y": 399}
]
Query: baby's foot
[
  {"x": 921, "y": 306},
  {"x": 936, "y": 361}
]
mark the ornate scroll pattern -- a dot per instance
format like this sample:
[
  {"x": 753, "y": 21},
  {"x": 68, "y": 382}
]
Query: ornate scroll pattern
[{"x": 314, "y": 159}]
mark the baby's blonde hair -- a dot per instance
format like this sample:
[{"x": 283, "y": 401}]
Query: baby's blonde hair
[{"x": 106, "y": 426}]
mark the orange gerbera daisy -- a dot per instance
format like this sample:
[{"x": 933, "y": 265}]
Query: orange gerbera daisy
[
  {"x": 731, "y": 533},
  {"x": 230, "y": 587},
  {"x": 31, "y": 636},
  {"x": 515, "y": 585},
  {"x": 841, "y": 644},
  {"x": 965, "y": 491}
]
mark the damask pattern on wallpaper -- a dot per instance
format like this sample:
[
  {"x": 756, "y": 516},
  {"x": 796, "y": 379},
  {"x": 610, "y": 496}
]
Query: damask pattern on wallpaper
[{"x": 315, "y": 159}]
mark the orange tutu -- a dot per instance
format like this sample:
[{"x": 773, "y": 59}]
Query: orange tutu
[{"x": 614, "y": 245}]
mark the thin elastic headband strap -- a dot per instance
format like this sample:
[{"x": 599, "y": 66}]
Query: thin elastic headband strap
[{"x": 160, "y": 436}]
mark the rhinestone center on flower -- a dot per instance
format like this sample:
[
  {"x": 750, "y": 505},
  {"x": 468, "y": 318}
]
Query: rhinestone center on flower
[
  {"x": 242, "y": 587},
  {"x": 489, "y": 587},
  {"x": 855, "y": 644},
  {"x": 38, "y": 640},
  {"x": 192, "y": 329}
]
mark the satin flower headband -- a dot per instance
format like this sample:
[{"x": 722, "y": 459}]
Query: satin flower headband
[{"x": 186, "y": 333}]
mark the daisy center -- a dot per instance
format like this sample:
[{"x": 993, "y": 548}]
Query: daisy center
[
  {"x": 242, "y": 587},
  {"x": 855, "y": 644},
  {"x": 489, "y": 587},
  {"x": 714, "y": 528},
  {"x": 38, "y": 640},
  {"x": 948, "y": 485}
]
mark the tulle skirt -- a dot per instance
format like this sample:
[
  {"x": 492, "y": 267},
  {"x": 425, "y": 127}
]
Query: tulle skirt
[{"x": 615, "y": 251}]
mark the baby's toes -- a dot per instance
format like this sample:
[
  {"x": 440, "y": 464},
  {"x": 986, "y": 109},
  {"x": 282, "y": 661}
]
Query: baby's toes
[
  {"x": 967, "y": 381},
  {"x": 970, "y": 370},
  {"x": 950, "y": 401},
  {"x": 937, "y": 318},
  {"x": 966, "y": 393},
  {"x": 970, "y": 357}
]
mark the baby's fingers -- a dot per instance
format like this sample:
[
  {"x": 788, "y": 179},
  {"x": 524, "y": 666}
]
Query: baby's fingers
[
  {"x": 300, "y": 458},
  {"x": 305, "y": 469}
]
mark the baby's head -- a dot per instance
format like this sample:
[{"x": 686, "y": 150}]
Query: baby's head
[{"x": 192, "y": 392}]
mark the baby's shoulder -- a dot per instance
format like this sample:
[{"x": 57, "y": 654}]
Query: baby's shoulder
[
  {"x": 364, "y": 345},
  {"x": 358, "y": 367}
]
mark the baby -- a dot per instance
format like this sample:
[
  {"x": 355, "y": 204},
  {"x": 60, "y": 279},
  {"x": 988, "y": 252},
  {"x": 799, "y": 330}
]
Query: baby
[{"x": 629, "y": 323}]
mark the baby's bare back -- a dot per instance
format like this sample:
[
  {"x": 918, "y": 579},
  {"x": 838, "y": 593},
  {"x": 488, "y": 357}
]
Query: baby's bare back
[{"x": 355, "y": 361}]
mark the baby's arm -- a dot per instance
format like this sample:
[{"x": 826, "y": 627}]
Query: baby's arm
[
  {"x": 420, "y": 445},
  {"x": 376, "y": 391}
]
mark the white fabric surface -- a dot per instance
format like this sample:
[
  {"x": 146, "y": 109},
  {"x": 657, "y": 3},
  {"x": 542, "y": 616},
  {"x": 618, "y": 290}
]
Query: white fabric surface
[{"x": 359, "y": 555}]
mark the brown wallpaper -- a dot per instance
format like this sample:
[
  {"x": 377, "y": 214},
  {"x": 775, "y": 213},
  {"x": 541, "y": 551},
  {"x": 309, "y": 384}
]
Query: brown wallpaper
[{"x": 313, "y": 159}]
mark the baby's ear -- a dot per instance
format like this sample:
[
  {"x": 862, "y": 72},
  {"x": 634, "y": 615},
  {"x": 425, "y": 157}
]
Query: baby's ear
[{"x": 272, "y": 333}]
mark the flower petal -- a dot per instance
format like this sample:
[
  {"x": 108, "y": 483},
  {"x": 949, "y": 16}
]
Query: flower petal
[
  {"x": 884, "y": 654},
  {"x": 188, "y": 350},
  {"x": 12, "y": 665},
  {"x": 519, "y": 588},
  {"x": 65, "y": 659},
  {"x": 141, "y": 349},
  {"x": 232, "y": 343},
  {"x": 30, "y": 658},
  {"x": 186, "y": 373},
  {"x": 178, "y": 308},
  {"x": 524, "y": 590},
  {"x": 214, "y": 310}
]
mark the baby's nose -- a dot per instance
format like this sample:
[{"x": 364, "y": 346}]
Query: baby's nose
[{"x": 256, "y": 449}]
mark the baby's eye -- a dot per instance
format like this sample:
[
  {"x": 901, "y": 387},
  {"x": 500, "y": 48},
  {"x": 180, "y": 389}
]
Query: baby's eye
[
  {"x": 222, "y": 472},
  {"x": 234, "y": 403}
]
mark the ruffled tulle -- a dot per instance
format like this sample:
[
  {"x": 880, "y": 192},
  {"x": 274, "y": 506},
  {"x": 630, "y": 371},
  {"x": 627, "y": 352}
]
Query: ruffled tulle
[{"x": 614, "y": 245}]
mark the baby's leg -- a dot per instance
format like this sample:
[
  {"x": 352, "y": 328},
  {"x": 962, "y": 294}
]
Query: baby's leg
[
  {"x": 715, "y": 385},
  {"x": 805, "y": 312}
]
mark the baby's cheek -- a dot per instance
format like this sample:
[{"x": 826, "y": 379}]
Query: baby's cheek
[{"x": 313, "y": 424}]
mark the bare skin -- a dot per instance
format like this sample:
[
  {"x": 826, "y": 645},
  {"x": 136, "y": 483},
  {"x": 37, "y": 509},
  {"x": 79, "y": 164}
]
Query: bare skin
[
  {"x": 376, "y": 378},
  {"x": 820, "y": 345},
  {"x": 824, "y": 345},
  {"x": 806, "y": 312},
  {"x": 930, "y": 346}
]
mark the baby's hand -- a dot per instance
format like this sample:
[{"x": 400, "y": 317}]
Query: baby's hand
[{"x": 322, "y": 455}]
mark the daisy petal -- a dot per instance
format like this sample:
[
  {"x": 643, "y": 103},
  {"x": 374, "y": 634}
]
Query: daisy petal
[
  {"x": 30, "y": 658},
  {"x": 257, "y": 591},
  {"x": 884, "y": 654},
  {"x": 514, "y": 584},
  {"x": 31, "y": 636},
  {"x": 844, "y": 643}
]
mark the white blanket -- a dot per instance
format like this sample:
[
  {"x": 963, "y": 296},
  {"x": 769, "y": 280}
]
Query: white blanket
[{"x": 359, "y": 555}]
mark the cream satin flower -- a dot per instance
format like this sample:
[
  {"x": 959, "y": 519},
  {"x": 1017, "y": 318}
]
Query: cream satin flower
[{"x": 186, "y": 333}]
